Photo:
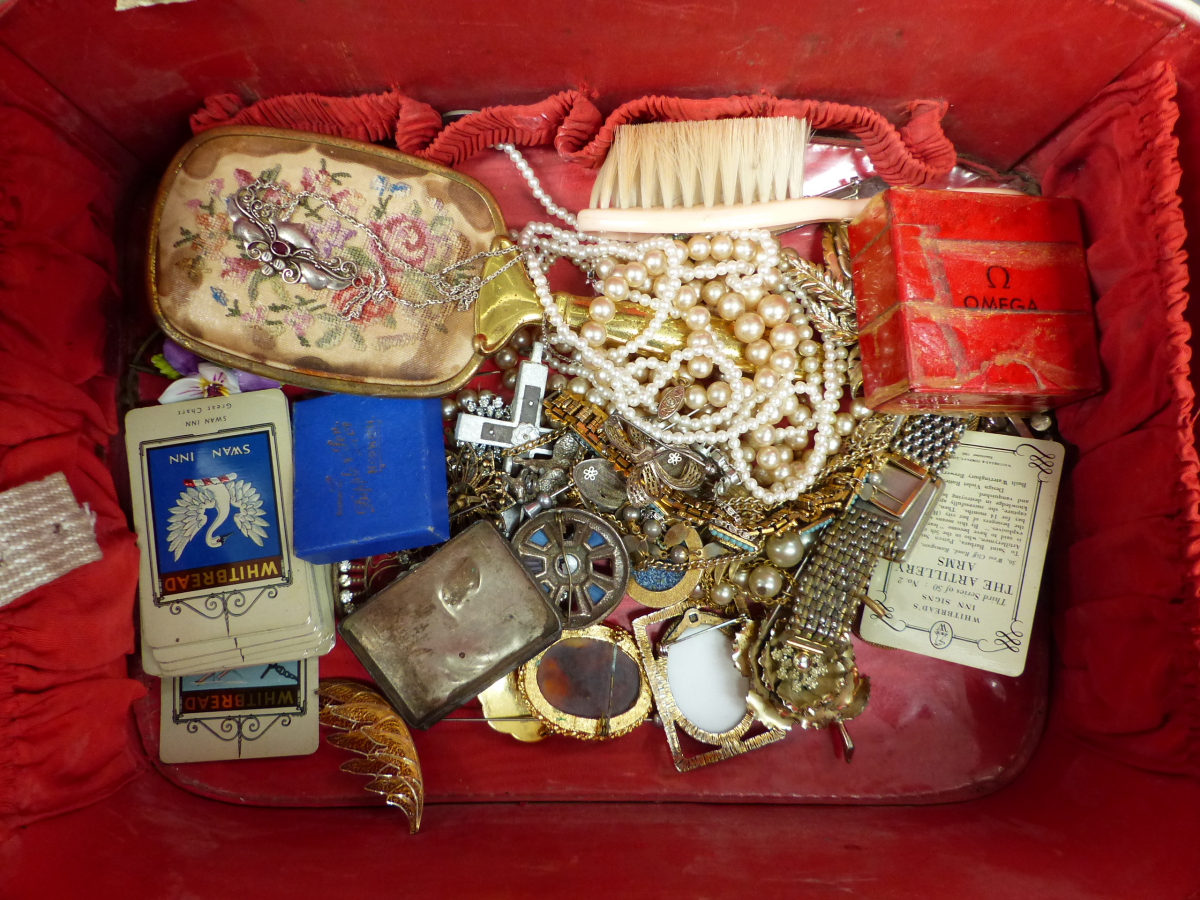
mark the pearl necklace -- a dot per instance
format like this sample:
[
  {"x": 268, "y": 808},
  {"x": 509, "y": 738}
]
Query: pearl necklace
[{"x": 733, "y": 274}]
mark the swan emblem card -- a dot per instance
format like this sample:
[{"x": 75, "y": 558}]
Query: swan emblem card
[{"x": 211, "y": 481}]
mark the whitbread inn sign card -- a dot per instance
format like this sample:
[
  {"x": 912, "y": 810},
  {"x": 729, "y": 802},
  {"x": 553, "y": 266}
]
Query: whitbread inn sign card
[{"x": 967, "y": 590}]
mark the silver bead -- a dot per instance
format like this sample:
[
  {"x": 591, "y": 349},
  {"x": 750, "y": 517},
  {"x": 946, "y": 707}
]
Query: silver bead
[{"x": 1041, "y": 421}]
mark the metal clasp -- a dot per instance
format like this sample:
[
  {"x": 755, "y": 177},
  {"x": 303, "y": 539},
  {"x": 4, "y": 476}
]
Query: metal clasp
[{"x": 905, "y": 491}]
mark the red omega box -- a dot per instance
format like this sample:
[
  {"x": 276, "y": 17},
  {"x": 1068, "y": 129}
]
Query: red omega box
[{"x": 976, "y": 302}]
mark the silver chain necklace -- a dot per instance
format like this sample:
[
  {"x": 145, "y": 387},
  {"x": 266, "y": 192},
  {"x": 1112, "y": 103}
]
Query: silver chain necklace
[{"x": 283, "y": 248}]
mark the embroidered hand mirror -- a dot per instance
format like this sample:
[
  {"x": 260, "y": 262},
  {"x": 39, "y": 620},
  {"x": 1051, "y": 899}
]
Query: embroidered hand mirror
[{"x": 332, "y": 264}]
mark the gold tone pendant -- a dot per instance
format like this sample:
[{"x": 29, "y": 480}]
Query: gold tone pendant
[
  {"x": 691, "y": 623},
  {"x": 590, "y": 684}
]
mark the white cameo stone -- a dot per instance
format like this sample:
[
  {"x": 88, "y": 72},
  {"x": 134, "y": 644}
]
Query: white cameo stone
[{"x": 708, "y": 688}]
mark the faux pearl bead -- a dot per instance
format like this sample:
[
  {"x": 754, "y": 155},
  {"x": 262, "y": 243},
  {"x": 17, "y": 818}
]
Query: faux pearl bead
[
  {"x": 655, "y": 262},
  {"x": 505, "y": 358},
  {"x": 699, "y": 367},
  {"x": 721, "y": 247},
  {"x": 798, "y": 441},
  {"x": 810, "y": 365},
  {"x": 844, "y": 423},
  {"x": 772, "y": 279},
  {"x": 578, "y": 386},
  {"x": 783, "y": 362},
  {"x": 594, "y": 333},
  {"x": 695, "y": 397},
  {"x": 713, "y": 291},
  {"x": 767, "y": 457},
  {"x": 697, "y": 318},
  {"x": 724, "y": 593},
  {"x": 785, "y": 453},
  {"x": 556, "y": 382},
  {"x": 765, "y": 380},
  {"x": 773, "y": 309},
  {"x": 748, "y": 328},
  {"x": 509, "y": 379},
  {"x": 698, "y": 248},
  {"x": 615, "y": 287},
  {"x": 652, "y": 528},
  {"x": 782, "y": 472},
  {"x": 604, "y": 267},
  {"x": 602, "y": 310},
  {"x": 731, "y": 305},
  {"x": 762, "y": 436},
  {"x": 743, "y": 250},
  {"x": 784, "y": 337},
  {"x": 466, "y": 397},
  {"x": 449, "y": 408},
  {"x": 860, "y": 410},
  {"x": 520, "y": 341},
  {"x": 803, "y": 330},
  {"x": 636, "y": 275},
  {"x": 808, "y": 348},
  {"x": 699, "y": 340},
  {"x": 719, "y": 394},
  {"x": 757, "y": 353},
  {"x": 785, "y": 550},
  {"x": 765, "y": 581},
  {"x": 688, "y": 296}
]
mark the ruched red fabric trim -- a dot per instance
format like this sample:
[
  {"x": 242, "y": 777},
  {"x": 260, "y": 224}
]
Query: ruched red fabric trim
[
  {"x": 1129, "y": 524},
  {"x": 66, "y": 735},
  {"x": 917, "y": 153}
]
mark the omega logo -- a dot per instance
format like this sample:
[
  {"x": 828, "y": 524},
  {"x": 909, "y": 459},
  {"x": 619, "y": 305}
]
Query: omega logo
[{"x": 998, "y": 278}]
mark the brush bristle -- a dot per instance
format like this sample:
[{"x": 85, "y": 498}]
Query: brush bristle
[{"x": 712, "y": 163}]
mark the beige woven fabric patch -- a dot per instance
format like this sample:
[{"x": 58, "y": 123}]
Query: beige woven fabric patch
[{"x": 44, "y": 533}]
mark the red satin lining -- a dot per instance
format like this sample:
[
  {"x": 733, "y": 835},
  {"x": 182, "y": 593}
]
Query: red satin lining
[
  {"x": 915, "y": 154},
  {"x": 1128, "y": 564},
  {"x": 65, "y": 730}
]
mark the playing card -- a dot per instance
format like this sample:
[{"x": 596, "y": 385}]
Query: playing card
[
  {"x": 245, "y": 713},
  {"x": 269, "y": 647},
  {"x": 212, "y": 488}
]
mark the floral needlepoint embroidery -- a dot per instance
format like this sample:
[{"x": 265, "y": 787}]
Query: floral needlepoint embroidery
[{"x": 197, "y": 379}]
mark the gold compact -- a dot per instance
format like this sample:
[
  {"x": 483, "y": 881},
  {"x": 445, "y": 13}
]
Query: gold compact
[
  {"x": 697, "y": 686},
  {"x": 589, "y": 684},
  {"x": 451, "y": 627}
]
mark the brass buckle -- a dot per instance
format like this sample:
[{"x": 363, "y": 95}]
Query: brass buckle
[{"x": 896, "y": 486}]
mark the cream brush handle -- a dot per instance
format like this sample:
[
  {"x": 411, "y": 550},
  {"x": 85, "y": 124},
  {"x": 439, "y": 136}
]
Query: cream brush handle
[{"x": 705, "y": 219}]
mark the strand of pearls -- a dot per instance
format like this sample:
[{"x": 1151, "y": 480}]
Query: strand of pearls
[
  {"x": 669, "y": 278},
  {"x": 535, "y": 186},
  {"x": 735, "y": 277}
]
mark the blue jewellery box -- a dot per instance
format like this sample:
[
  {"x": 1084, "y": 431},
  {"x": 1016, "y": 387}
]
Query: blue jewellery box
[{"x": 370, "y": 476}]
